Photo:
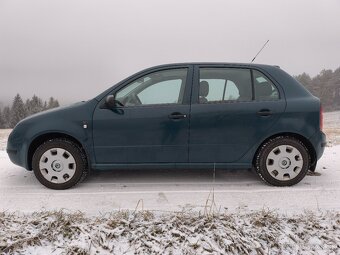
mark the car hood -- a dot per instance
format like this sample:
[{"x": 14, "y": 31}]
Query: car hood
[
  {"x": 54, "y": 110},
  {"x": 81, "y": 110}
]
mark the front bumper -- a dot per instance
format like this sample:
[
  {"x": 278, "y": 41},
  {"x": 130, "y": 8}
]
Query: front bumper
[
  {"x": 16, "y": 151},
  {"x": 13, "y": 156}
]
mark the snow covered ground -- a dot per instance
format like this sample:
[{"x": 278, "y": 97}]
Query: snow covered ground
[
  {"x": 178, "y": 212},
  {"x": 172, "y": 190},
  {"x": 332, "y": 127},
  {"x": 4, "y": 133}
]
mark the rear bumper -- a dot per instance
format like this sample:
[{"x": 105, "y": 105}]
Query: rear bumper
[{"x": 319, "y": 142}]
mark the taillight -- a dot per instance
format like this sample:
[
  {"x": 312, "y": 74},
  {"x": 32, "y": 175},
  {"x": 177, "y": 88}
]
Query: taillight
[{"x": 321, "y": 118}]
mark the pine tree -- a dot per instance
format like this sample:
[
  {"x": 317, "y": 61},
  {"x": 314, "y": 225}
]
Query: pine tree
[
  {"x": 326, "y": 86},
  {"x": 2, "y": 123},
  {"x": 34, "y": 105},
  {"x": 27, "y": 107},
  {"x": 52, "y": 103},
  {"x": 56, "y": 103},
  {"x": 6, "y": 113},
  {"x": 17, "y": 111}
]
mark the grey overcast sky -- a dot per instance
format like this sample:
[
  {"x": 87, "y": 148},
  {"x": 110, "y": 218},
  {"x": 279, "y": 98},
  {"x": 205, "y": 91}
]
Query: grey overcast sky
[{"x": 73, "y": 50}]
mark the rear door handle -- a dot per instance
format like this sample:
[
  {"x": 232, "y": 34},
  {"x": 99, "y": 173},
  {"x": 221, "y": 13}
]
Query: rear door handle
[
  {"x": 177, "y": 116},
  {"x": 264, "y": 112}
]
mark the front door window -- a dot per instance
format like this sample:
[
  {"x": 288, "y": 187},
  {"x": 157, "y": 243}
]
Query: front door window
[{"x": 162, "y": 87}]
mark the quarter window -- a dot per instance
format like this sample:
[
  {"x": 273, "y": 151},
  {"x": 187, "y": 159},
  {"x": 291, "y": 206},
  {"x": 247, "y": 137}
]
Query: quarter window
[
  {"x": 224, "y": 84},
  {"x": 163, "y": 87},
  {"x": 264, "y": 88}
]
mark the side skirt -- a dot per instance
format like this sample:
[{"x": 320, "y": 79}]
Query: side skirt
[{"x": 104, "y": 167}]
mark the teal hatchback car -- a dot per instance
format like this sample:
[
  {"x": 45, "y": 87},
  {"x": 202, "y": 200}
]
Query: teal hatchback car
[{"x": 196, "y": 115}]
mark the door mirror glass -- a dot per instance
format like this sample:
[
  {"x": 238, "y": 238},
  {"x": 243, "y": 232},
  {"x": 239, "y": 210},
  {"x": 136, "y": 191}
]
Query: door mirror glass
[{"x": 110, "y": 101}]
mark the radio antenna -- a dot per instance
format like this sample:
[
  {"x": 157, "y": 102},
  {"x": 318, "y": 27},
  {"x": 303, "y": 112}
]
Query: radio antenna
[{"x": 264, "y": 45}]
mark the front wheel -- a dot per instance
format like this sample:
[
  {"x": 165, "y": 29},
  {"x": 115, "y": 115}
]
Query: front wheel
[
  {"x": 59, "y": 164},
  {"x": 282, "y": 161}
]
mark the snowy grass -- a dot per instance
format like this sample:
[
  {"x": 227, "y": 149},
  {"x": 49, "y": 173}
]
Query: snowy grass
[
  {"x": 187, "y": 232},
  {"x": 333, "y": 135},
  {"x": 4, "y": 133}
]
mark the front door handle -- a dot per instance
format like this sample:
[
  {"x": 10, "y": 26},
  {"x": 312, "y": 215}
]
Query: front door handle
[
  {"x": 177, "y": 116},
  {"x": 264, "y": 112}
]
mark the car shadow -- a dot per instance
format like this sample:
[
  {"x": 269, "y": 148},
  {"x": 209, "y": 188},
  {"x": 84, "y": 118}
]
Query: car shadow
[{"x": 179, "y": 176}]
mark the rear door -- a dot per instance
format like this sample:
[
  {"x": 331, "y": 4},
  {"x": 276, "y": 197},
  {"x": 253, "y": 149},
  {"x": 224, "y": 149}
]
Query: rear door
[{"x": 232, "y": 109}]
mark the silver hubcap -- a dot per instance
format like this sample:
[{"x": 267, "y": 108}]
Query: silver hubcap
[
  {"x": 57, "y": 165},
  {"x": 284, "y": 162}
]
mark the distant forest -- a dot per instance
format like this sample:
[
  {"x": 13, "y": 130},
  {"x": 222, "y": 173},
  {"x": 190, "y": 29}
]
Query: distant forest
[
  {"x": 326, "y": 86},
  {"x": 11, "y": 115}
]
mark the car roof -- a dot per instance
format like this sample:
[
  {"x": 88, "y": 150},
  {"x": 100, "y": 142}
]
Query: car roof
[{"x": 216, "y": 63}]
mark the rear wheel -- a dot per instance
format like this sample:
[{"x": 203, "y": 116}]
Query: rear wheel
[
  {"x": 282, "y": 161},
  {"x": 59, "y": 164}
]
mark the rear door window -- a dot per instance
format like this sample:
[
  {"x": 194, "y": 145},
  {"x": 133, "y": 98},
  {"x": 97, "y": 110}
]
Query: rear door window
[{"x": 224, "y": 84}]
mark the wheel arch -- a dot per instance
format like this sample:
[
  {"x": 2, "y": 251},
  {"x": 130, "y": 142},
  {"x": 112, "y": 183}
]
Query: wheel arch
[
  {"x": 48, "y": 136},
  {"x": 301, "y": 138}
]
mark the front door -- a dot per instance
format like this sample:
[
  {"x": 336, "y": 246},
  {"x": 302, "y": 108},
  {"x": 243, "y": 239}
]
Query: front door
[{"x": 150, "y": 123}]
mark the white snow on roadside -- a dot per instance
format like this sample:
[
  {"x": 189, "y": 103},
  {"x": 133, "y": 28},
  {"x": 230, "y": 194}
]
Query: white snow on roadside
[
  {"x": 332, "y": 119},
  {"x": 4, "y": 133},
  {"x": 172, "y": 190}
]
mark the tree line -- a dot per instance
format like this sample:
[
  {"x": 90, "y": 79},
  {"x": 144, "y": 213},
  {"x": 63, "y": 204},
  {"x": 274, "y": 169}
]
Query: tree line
[
  {"x": 11, "y": 115},
  {"x": 326, "y": 86}
]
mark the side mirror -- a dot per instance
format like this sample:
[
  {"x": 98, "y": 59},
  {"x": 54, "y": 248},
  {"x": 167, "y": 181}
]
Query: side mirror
[{"x": 110, "y": 101}]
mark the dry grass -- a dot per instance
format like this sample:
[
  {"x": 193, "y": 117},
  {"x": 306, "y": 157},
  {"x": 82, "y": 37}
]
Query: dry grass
[{"x": 145, "y": 232}]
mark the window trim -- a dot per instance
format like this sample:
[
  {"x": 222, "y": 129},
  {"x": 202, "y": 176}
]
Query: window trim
[
  {"x": 196, "y": 80},
  {"x": 224, "y": 101},
  {"x": 274, "y": 84},
  {"x": 224, "y": 89},
  {"x": 180, "y": 94},
  {"x": 252, "y": 85}
]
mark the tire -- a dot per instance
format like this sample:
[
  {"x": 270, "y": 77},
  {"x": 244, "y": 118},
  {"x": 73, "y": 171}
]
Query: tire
[
  {"x": 59, "y": 164},
  {"x": 282, "y": 161}
]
